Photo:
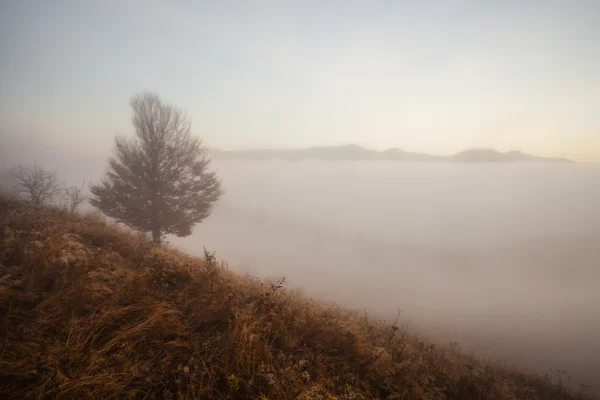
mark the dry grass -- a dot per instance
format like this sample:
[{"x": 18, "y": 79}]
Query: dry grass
[{"x": 91, "y": 311}]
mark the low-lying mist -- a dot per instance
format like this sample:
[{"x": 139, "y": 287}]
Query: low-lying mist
[{"x": 502, "y": 258}]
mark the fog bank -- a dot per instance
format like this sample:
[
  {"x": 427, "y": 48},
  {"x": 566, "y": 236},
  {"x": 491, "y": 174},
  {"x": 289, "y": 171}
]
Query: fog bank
[{"x": 502, "y": 258}]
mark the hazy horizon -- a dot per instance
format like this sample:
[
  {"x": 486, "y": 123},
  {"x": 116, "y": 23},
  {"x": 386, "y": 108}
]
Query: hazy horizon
[
  {"x": 433, "y": 77},
  {"x": 14, "y": 147}
]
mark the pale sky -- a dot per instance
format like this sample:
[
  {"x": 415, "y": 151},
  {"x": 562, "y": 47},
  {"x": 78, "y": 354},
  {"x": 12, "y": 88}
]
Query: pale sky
[{"x": 428, "y": 76}]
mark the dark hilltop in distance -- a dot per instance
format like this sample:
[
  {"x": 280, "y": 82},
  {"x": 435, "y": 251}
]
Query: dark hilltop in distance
[{"x": 353, "y": 152}]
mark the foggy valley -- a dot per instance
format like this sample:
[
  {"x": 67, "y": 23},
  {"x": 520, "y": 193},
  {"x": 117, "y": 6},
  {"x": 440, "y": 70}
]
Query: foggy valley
[
  {"x": 501, "y": 258},
  {"x": 437, "y": 159}
]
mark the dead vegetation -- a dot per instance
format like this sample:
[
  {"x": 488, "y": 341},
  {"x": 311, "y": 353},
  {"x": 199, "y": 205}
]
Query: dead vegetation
[{"x": 91, "y": 311}]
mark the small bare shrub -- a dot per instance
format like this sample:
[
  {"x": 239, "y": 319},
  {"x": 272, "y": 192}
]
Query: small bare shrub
[
  {"x": 73, "y": 196},
  {"x": 37, "y": 185}
]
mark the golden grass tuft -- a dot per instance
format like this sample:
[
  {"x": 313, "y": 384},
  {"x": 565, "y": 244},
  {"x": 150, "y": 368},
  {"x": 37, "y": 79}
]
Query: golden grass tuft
[{"x": 89, "y": 310}]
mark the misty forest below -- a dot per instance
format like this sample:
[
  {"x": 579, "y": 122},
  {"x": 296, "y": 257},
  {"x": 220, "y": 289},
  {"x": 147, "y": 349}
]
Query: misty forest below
[{"x": 501, "y": 258}]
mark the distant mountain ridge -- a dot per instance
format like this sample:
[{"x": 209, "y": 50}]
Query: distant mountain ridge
[{"x": 354, "y": 152}]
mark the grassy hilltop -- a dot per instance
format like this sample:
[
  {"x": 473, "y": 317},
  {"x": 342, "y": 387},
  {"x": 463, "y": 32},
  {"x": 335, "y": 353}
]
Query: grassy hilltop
[{"x": 89, "y": 310}]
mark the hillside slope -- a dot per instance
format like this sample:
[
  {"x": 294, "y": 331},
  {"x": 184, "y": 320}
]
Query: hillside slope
[{"x": 91, "y": 311}]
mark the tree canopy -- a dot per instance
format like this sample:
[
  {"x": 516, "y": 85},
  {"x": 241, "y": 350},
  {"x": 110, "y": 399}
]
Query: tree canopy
[{"x": 158, "y": 181}]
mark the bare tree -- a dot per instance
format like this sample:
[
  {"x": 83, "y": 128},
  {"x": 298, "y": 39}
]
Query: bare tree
[
  {"x": 73, "y": 197},
  {"x": 159, "y": 181},
  {"x": 36, "y": 184}
]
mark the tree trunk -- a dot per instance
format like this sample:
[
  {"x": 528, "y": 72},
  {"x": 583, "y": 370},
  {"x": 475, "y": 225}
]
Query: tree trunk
[{"x": 156, "y": 235}]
